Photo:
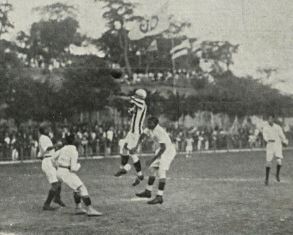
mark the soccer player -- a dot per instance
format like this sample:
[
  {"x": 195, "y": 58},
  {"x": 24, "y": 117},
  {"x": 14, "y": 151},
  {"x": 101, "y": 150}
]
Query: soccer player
[
  {"x": 138, "y": 113},
  {"x": 46, "y": 151},
  {"x": 67, "y": 166},
  {"x": 274, "y": 137},
  {"x": 189, "y": 146},
  {"x": 161, "y": 162}
]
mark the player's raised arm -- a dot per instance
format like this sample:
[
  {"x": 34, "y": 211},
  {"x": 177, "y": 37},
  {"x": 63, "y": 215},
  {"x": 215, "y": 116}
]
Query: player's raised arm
[{"x": 137, "y": 102}]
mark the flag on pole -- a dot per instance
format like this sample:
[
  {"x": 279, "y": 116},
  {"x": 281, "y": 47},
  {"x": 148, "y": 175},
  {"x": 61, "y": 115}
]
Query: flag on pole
[
  {"x": 153, "y": 46},
  {"x": 151, "y": 25},
  {"x": 195, "y": 46},
  {"x": 181, "y": 49}
]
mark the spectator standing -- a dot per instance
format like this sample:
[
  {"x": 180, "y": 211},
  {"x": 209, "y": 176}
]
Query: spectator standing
[
  {"x": 34, "y": 147},
  {"x": 109, "y": 140},
  {"x": 7, "y": 142},
  {"x": 14, "y": 148}
]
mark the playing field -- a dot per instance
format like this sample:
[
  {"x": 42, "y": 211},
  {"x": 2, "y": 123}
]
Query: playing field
[{"x": 219, "y": 193}]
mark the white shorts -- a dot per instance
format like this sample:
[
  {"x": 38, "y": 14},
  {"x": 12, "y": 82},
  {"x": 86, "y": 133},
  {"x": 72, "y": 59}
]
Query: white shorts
[
  {"x": 49, "y": 170},
  {"x": 69, "y": 178},
  {"x": 131, "y": 140},
  {"x": 273, "y": 150},
  {"x": 166, "y": 159},
  {"x": 189, "y": 148}
]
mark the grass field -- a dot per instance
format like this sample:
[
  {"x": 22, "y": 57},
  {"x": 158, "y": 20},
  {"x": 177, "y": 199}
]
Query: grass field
[{"x": 219, "y": 193}]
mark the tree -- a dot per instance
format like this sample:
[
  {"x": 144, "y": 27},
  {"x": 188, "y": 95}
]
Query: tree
[
  {"x": 115, "y": 42},
  {"x": 219, "y": 53},
  {"x": 49, "y": 39},
  {"x": 30, "y": 99},
  {"x": 56, "y": 11},
  {"x": 88, "y": 85},
  {"x": 5, "y": 23},
  {"x": 10, "y": 69}
]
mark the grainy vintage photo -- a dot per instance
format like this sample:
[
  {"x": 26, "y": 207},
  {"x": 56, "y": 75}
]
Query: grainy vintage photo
[{"x": 146, "y": 117}]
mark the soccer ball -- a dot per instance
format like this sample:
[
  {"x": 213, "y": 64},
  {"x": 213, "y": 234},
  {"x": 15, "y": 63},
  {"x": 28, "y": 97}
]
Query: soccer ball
[{"x": 116, "y": 71}]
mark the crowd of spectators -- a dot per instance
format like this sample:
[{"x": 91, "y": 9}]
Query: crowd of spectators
[
  {"x": 163, "y": 77},
  {"x": 94, "y": 140}
]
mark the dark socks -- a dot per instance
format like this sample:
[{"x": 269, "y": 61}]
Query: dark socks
[
  {"x": 50, "y": 197},
  {"x": 86, "y": 200},
  {"x": 162, "y": 184},
  {"x": 124, "y": 159},
  {"x": 151, "y": 180},
  {"x": 267, "y": 173},
  {"x": 77, "y": 198},
  {"x": 58, "y": 193},
  {"x": 137, "y": 166},
  {"x": 278, "y": 170}
]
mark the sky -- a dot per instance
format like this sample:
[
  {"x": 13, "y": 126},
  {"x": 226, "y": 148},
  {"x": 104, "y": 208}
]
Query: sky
[{"x": 262, "y": 28}]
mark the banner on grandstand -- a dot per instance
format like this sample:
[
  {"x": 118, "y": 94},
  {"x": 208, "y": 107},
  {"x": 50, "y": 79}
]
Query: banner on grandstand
[
  {"x": 151, "y": 25},
  {"x": 181, "y": 49}
]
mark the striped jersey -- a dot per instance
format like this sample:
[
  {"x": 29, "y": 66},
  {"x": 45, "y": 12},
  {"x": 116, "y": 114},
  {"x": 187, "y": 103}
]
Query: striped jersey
[{"x": 139, "y": 110}]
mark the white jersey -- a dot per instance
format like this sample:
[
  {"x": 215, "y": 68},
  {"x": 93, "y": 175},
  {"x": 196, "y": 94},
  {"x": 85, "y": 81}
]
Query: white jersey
[
  {"x": 189, "y": 141},
  {"x": 44, "y": 143},
  {"x": 274, "y": 133},
  {"x": 159, "y": 135},
  {"x": 67, "y": 158},
  {"x": 138, "y": 115}
]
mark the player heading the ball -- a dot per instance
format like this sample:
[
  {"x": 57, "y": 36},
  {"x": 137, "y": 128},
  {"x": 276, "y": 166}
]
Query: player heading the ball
[{"x": 138, "y": 112}]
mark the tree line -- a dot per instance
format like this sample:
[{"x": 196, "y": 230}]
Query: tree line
[{"x": 86, "y": 84}]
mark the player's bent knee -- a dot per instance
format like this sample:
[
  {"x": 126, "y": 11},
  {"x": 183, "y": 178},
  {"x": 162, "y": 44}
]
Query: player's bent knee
[
  {"x": 83, "y": 191},
  {"x": 268, "y": 163},
  {"x": 124, "y": 159},
  {"x": 162, "y": 173},
  {"x": 279, "y": 161},
  {"x": 153, "y": 171},
  {"x": 55, "y": 186}
]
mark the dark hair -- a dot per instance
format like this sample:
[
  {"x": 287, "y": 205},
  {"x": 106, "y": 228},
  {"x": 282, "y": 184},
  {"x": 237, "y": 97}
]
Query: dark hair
[
  {"x": 42, "y": 130},
  {"x": 69, "y": 138},
  {"x": 153, "y": 119},
  {"x": 271, "y": 115}
]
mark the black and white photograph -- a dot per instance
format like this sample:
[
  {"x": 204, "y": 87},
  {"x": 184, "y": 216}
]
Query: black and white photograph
[{"x": 132, "y": 117}]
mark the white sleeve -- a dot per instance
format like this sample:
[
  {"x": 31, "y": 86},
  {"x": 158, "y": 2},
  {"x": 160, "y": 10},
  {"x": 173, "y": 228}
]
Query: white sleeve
[
  {"x": 74, "y": 165},
  {"x": 282, "y": 135},
  {"x": 162, "y": 136},
  {"x": 45, "y": 143}
]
